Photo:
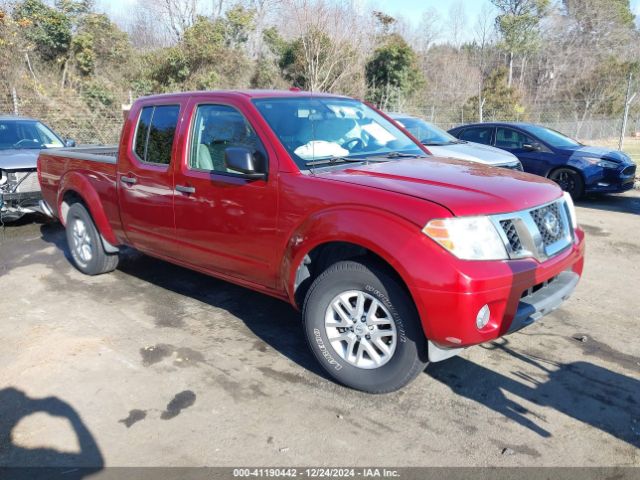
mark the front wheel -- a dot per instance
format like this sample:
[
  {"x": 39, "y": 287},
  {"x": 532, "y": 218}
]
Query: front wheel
[
  {"x": 363, "y": 328},
  {"x": 569, "y": 180}
]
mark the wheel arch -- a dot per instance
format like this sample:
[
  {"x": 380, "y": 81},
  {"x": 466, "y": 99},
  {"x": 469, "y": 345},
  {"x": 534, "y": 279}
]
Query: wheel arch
[
  {"x": 555, "y": 168},
  {"x": 345, "y": 234},
  {"x": 76, "y": 188}
]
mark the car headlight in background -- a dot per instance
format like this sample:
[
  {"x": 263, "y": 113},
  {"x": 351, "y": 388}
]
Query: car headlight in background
[
  {"x": 601, "y": 162},
  {"x": 572, "y": 210},
  {"x": 468, "y": 238},
  {"x": 3, "y": 177}
]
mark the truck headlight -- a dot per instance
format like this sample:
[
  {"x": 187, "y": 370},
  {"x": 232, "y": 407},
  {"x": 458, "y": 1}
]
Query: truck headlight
[
  {"x": 572, "y": 210},
  {"x": 468, "y": 238},
  {"x": 601, "y": 162}
]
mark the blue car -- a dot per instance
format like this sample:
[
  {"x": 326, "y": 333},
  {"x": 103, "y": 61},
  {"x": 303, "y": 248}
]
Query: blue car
[{"x": 577, "y": 168}]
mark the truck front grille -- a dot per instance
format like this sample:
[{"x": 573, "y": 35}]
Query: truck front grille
[
  {"x": 549, "y": 223},
  {"x": 540, "y": 233},
  {"x": 512, "y": 235}
]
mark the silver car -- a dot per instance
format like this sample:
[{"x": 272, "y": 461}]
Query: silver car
[
  {"x": 21, "y": 140},
  {"x": 442, "y": 144}
]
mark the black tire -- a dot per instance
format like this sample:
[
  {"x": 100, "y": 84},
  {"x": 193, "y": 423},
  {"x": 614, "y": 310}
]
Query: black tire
[
  {"x": 87, "y": 251},
  {"x": 569, "y": 180},
  {"x": 410, "y": 355}
]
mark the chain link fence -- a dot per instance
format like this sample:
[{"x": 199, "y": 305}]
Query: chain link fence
[
  {"x": 70, "y": 115},
  {"x": 90, "y": 122},
  {"x": 568, "y": 119}
]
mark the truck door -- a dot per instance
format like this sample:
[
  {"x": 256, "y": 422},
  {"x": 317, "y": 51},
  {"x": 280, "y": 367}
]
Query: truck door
[
  {"x": 225, "y": 221},
  {"x": 145, "y": 180}
]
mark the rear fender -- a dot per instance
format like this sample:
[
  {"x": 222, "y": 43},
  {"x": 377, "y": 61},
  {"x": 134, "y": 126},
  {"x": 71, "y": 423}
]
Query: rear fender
[{"x": 78, "y": 184}]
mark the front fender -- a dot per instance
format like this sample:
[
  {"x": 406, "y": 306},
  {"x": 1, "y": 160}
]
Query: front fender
[
  {"x": 394, "y": 239},
  {"x": 79, "y": 184}
]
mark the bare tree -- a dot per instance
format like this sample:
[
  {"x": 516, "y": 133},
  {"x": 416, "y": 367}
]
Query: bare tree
[
  {"x": 456, "y": 23},
  {"x": 178, "y": 15},
  {"x": 484, "y": 37},
  {"x": 429, "y": 30},
  {"x": 332, "y": 38},
  {"x": 265, "y": 12},
  {"x": 142, "y": 27}
]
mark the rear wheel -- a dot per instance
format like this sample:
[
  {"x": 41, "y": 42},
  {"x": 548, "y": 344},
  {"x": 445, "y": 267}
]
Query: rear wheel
[
  {"x": 569, "y": 180},
  {"x": 363, "y": 328},
  {"x": 85, "y": 244}
]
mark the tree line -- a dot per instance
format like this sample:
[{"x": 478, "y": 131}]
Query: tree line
[{"x": 514, "y": 57}]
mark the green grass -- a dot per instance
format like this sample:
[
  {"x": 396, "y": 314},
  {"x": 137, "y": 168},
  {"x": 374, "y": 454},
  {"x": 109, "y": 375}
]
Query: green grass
[{"x": 631, "y": 146}]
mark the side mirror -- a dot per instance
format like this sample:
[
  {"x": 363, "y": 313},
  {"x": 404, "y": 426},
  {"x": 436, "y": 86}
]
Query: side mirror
[
  {"x": 531, "y": 147},
  {"x": 242, "y": 160},
  {"x": 68, "y": 142}
]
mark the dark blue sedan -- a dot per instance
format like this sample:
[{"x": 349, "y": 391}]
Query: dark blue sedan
[{"x": 577, "y": 168}]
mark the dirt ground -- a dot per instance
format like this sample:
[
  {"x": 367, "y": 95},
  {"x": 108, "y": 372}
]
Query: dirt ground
[{"x": 154, "y": 365}]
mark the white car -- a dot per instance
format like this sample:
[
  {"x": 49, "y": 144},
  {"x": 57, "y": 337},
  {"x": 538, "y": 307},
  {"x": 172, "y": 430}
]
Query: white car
[{"x": 442, "y": 144}]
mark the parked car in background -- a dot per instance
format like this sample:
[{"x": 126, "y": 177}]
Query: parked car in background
[
  {"x": 21, "y": 140},
  {"x": 322, "y": 201},
  {"x": 577, "y": 168},
  {"x": 442, "y": 144}
]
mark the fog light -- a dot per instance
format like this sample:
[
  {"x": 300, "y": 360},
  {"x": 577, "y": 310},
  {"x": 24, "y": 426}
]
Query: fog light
[{"x": 483, "y": 317}]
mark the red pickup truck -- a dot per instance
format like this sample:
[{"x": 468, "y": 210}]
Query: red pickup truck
[{"x": 395, "y": 258}]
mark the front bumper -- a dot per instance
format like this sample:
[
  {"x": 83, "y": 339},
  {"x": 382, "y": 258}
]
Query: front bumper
[
  {"x": 612, "y": 180},
  {"x": 19, "y": 197},
  {"x": 545, "y": 300},
  {"x": 518, "y": 292}
]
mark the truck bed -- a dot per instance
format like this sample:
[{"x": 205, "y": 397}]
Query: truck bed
[
  {"x": 67, "y": 168},
  {"x": 107, "y": 153}
]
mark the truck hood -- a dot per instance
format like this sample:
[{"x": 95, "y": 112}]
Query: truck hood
[
  {"x": 597, "y": 152},
  {"x": 19, "y": 159},
  {"x": 464, "y": 188},
  {"x": 474, "y": 152}
]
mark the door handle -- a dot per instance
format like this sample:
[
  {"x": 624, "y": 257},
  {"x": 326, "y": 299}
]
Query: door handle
[
  {"x": 185, "y": 189},
  {"x": 128, "y": 180}
]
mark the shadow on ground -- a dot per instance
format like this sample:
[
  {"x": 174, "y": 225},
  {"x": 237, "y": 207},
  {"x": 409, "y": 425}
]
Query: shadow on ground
[
  {"x": 273, "y": 321},
  {"x": 43, "y": 462},
  {"x": 622, "y": 203},
  {"x": 594, "y": 395}
]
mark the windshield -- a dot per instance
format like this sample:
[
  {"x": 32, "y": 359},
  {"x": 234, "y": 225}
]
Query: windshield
[
  {"x": 313, "y": 129},
  {"x": 553, "y": 138},
  {"x": 426, "y": 133},
  {"x": 26, "y": 134}
]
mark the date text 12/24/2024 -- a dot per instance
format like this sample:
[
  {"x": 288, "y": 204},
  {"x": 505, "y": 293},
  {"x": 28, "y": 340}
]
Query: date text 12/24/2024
[{"x": 315, "y": 473}]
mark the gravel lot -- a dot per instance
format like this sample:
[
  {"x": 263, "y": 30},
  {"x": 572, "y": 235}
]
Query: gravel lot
[{"x": 154, "y": 365}]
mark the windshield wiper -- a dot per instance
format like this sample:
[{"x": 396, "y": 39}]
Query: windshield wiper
[
  {"x": 401, "y": 155},
  {"x": 334, "y": 160},
  {"x": 331, "y": 161}
]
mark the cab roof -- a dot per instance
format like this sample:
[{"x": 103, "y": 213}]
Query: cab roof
[{"x": 293, "y": 93}]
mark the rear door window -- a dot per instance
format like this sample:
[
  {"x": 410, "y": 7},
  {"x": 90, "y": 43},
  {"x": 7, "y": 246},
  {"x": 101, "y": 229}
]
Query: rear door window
[
  {"x": 477, "y": 135},
  {"x": 155, "y": 133}
]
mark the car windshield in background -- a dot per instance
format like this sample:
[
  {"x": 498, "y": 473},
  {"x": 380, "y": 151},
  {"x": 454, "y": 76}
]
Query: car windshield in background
[
  {"x": 427, "y": 133},
  {"x": 17, "y": 134},
  {"x": 553, "y": 138},
  {"x": 323, "y": 129}
]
